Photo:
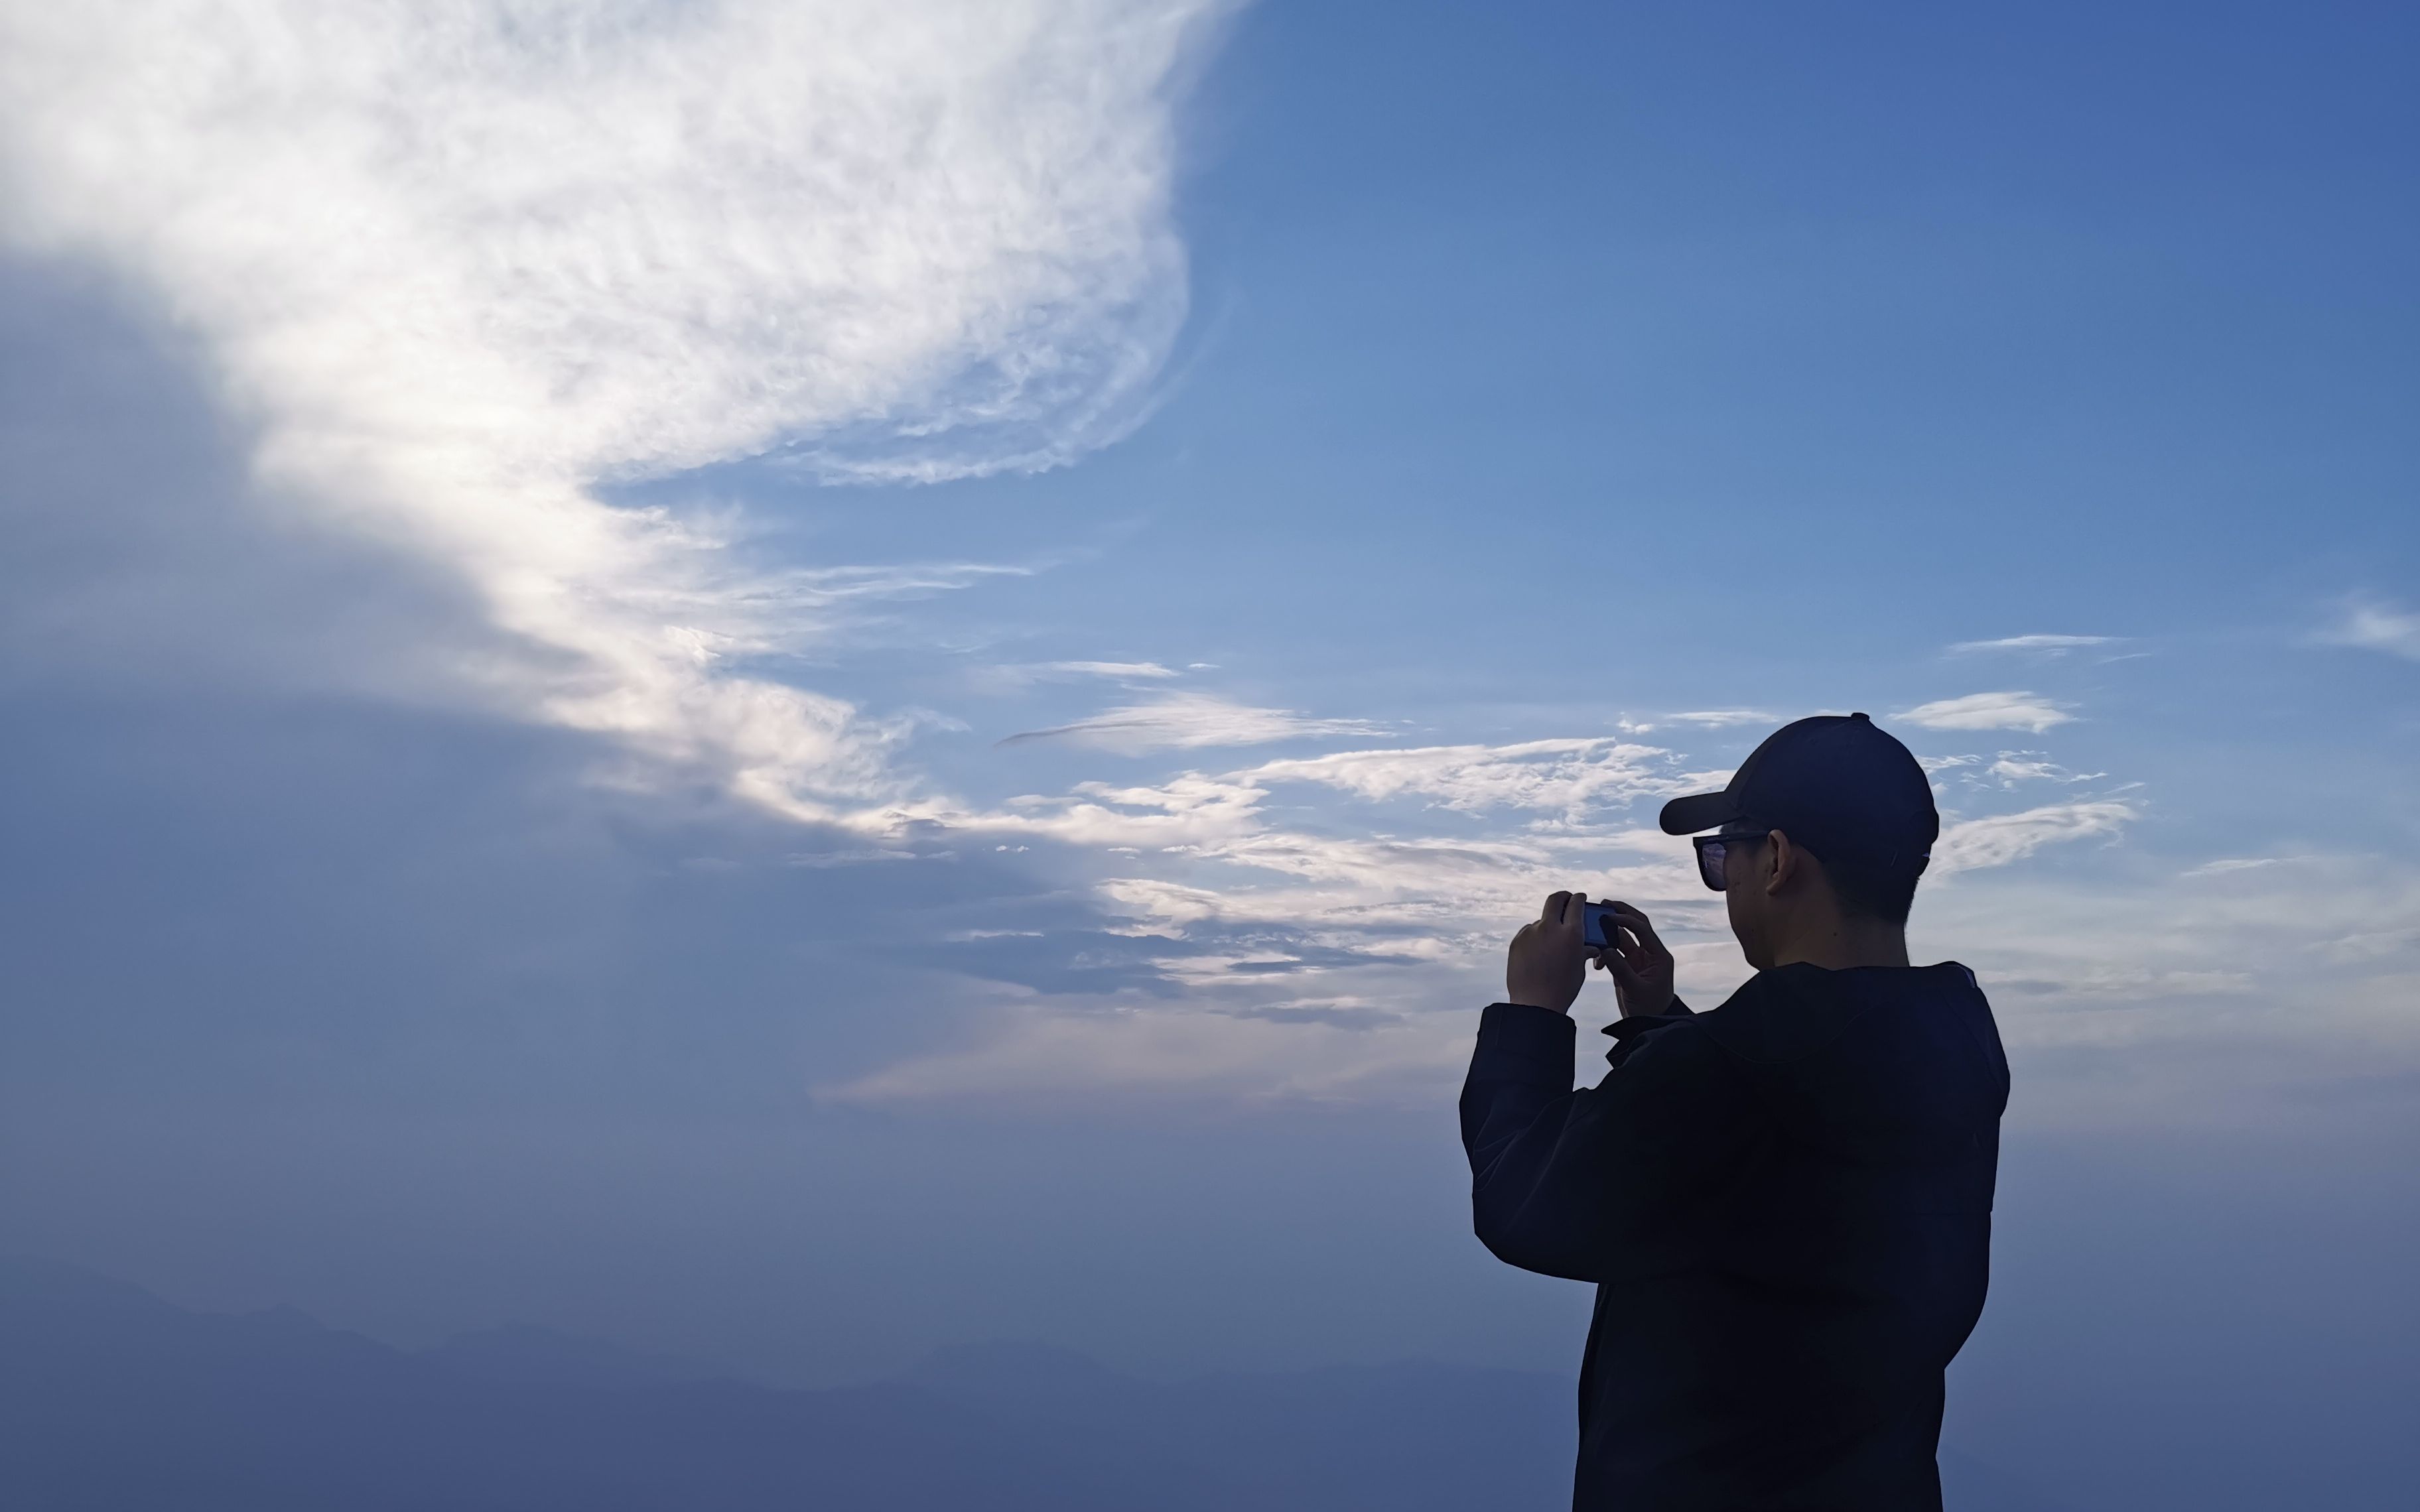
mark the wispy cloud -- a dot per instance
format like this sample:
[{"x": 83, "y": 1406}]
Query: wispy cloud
[
  {"x": 1988, "y": 711},
  {"x": 1263, "y": 913},
  {"x": 2293, "y": 969},
  {"x": 1999, "y": 839},
  {"x": 1563, "y": 777},
  {"x": 2377, "y": 626},
  {"x": 1722, "y": 718},
  {"x": 2015, "y": 766},
  {"x": 2228, "y": 864},
  {"x": 1187, "y": 721},
  {"x": 1254, "y": 915},
  {"x": 459, "y": 265},
  {"x": 1015, "y": 676},
  {"x": 2035, "y": 642},
  {"x": 1205, "y": 847},
  {"x": 1116, "y": 671}
]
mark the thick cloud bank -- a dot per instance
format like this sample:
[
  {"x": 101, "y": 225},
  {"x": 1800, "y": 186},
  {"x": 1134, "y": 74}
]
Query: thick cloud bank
[{"x": 461, "y": 263}]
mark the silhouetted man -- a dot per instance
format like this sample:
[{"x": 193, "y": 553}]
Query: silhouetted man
[{"x": 1785, "y": 1202}]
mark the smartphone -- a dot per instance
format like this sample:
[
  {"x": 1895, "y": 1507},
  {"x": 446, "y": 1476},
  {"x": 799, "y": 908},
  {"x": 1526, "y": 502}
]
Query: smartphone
[{"x": 1599, "y": 929}]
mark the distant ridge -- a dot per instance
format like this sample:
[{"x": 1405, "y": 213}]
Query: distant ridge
[
  {"x": 521, "y": 1354},
  {"x": 113, "y": 1400}
]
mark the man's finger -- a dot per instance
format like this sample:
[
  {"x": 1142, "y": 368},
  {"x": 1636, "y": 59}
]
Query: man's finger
[
  {"x": 1553, "y": 913},
  {"x": 1628, "y": 985},
  {"x": 1634, "y": 921},
  {"x": 1635, "y": 924}
]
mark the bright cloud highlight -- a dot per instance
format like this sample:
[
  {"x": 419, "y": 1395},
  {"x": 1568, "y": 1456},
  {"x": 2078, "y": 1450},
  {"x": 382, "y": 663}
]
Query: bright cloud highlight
[
  {"x": 462, "y": 264},
  {"x": 1188, "y": 721},
  {"x": 1988, "y": 711},
  {"x": 2374, "y": 626},
  {"x": 2035, "y": 642},
  {"x": 2000, "y": 838}
]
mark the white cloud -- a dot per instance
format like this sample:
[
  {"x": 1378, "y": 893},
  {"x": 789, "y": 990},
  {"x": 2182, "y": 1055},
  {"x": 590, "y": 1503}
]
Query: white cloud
[
  {"x": 2035, "y": 642},
  {"x": 1723, "y": 718},
  {"x": 825, "y": 859},
  {"x": 1115, "y": 670},
  {"x": 2375, "y": 626},
  {"x": 2371, "y": 946},
  {"x": 1203, "y": 851},
  {"x": 2259, "y": 979},
  {"x": 459, "y": 265},
  {"x": 1016, "y": 677},
  {"x": 1564, "y": 778},
  {"x": 2252, "y": 980},
  {"x": 1200, "y": 851},
  {"x": 2234, "y": 863},
  {"x": 1988, "y": 711},
  {"x": 1188, "y": 721},
  {"x": 1270, "y": 923},
  {"x": 2015, "y": 766},
  {"x": 2000, "y": 838}
]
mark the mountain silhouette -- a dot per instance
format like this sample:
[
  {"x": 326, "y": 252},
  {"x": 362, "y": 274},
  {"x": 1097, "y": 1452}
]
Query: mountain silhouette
[
  {"x": 524, "y": 1355},
  {"x": 113, "y": 1400}
]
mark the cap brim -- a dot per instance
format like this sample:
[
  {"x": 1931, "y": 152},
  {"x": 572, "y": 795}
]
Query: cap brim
[{"x": 1700, "y": 811}]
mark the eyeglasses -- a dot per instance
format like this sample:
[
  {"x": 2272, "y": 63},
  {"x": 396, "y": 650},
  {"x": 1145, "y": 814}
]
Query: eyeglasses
[{"x": 1714, "y": 849}]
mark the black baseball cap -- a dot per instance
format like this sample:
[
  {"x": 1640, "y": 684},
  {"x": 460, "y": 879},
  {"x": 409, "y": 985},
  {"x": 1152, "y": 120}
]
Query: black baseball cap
[{"x": 1847, "y": 792}]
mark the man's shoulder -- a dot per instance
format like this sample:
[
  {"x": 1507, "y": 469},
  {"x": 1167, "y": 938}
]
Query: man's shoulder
[
  {"x": 1674, "y": 1037},
  {"x": 1791, "y": 1012}
]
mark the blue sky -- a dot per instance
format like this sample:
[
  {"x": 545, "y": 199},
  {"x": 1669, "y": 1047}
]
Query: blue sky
[{"x": 905, "y": 697}]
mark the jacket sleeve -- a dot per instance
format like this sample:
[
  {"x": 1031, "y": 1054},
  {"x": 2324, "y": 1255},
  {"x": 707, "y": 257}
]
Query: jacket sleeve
[{"x": 1572, "y": 1182}]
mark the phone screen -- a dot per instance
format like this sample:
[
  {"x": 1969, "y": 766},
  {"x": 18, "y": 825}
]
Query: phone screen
[{"x": 1598, "y": 926}]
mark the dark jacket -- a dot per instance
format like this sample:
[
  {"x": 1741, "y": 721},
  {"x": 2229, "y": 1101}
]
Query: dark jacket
[{"x": 1785, "y": 1204}]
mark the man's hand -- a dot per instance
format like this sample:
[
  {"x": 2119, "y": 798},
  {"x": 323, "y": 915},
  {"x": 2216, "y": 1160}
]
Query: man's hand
[
  {"x": 1641, "y": 966},
  {"x": 1549, "y": 961}
]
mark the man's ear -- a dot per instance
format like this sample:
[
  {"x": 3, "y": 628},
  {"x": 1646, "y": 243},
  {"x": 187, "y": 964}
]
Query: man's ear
[{"x": 1782, "y": 862}]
